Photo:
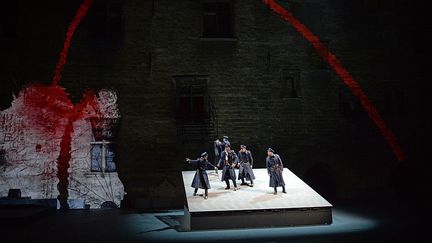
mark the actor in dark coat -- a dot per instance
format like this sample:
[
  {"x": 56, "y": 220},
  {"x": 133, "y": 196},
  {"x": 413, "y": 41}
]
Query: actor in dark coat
[
  {"x": 274, "y": 170},
  {"x": 229, "y": 161},
  {"x": 219, "y": 147},
  {"x": 246, "y": 163},
  {"x": 200, "y": 179}
]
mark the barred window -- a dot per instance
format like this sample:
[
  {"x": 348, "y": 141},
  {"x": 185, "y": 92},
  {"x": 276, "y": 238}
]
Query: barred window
[
  {"x": 289, "y": 83},
  {"x": 191, "y": 97},
  {"x": 102, "y": 157}
]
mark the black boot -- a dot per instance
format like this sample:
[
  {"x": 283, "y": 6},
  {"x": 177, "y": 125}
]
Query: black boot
[
  {"x": 283, "y": 189},
  {"x": 206, "y": 194},
  {"x": 235, "y": 185},
  {"x": 195, "y": 191},
  {"x": 228, "y": 185},
  {"x": 243, "y": 182},
  {"x": 275, "y": 191},
  {"x": 251, "y": 184}
]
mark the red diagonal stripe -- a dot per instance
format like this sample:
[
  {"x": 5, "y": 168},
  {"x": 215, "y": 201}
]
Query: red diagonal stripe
[
  {"x": 82, "y": 11},
  {"x": 346, "y": 77}
]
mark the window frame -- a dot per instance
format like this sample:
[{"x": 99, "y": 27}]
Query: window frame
[
  {"x": 190, "y": 82},
  {"x": 290, "y": 78},
  {"x": 103, "y": 162}
]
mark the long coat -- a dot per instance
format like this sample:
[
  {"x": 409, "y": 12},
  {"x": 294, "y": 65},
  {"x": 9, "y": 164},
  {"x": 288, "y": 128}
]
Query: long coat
[
  {"x": 219, "y": 147},
  {"x": 275, "y": 169},
  {"x": 228, "y": 161},
  {"x": 246, "y": 162},
  {"x": 200, "y": 179}
]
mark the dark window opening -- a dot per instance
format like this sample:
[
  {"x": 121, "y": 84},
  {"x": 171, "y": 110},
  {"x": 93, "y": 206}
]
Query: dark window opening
[
  {"x": 102, "y": 157},
  {"x": 8, "y": 18},
  {"x": 217, "y": 19},
  {"x": 290, "y": 83},
  {"x": 191, "y": 98}
]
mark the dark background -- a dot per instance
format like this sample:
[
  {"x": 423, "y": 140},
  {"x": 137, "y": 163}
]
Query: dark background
[{"x": 187, "y": 72}]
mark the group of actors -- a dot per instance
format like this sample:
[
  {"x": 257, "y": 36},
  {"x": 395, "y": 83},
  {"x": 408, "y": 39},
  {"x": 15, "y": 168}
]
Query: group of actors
[{"x": 227, "y": 160}]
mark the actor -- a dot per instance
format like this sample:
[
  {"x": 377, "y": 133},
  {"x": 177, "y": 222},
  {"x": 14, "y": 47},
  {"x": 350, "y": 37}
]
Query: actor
[
  {"x": 200, "y": 179},
  {"x": 219, "y": 147},
  {"x": 246, "y": 163},
  {"x": 274, "y": 170},
  {"x": 229, "y": 161}
]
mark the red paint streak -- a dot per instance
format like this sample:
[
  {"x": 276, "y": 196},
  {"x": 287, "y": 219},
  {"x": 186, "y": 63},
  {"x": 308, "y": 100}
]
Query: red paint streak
[
  {"x": 63, "y": 165},
  {"x": 82, "y": 11},
  {"x": 341, "y": 71},
  {"x": 48, "y": 110},
  {"x": 74, "y": 114},
  {"x": 63, "y": 161},
  {"x": 50, "y": 113},
  {"x": 46, "y": 107}
]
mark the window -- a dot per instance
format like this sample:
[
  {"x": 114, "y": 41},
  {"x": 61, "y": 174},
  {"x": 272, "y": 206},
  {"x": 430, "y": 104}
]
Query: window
[
  {"x": 217, "y": 19},
  {"x": 8, "y": 18},
  {"x": 102, "y": 151},
  {"x": 102, "y": 157},
  {"x": 191, "y": 97},
  {"x": 290, "y": 83}
]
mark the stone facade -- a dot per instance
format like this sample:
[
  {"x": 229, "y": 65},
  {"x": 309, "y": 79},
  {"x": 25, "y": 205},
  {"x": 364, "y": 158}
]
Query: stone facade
[{"x": 31, "y": 151}]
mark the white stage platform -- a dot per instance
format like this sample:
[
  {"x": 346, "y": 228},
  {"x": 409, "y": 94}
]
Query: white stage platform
[{"x": 253, "y": 206}]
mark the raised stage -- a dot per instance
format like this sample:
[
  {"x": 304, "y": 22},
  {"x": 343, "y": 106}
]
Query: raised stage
[{"x": 253, "y": 206}]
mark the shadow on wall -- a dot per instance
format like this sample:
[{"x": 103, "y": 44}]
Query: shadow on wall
[{"x": 321, "y": 177}]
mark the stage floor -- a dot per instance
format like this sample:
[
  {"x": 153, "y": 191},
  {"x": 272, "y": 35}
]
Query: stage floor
[{"x": 260, "y": 197}]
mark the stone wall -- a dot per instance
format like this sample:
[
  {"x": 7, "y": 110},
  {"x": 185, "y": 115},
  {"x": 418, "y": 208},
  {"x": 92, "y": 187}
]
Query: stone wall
[{"x": 249, "y": 81}]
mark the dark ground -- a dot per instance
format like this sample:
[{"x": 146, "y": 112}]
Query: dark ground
[{"x": 390, "y": 221}]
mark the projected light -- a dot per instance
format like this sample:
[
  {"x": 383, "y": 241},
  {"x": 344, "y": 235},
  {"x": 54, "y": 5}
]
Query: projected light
[{"x": 47, "y": 140}]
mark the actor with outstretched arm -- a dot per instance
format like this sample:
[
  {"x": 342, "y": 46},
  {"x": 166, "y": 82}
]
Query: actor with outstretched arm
[{"x": 200, "y": 179}]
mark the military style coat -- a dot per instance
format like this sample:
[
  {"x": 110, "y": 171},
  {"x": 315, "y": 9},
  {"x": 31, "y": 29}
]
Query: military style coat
[
  {"x": 246, "y": 162},
  {"x": 219, "y": 147},
  {"x": 200, "y": 179},
  {"x": 228, "y": 162},
  {"x": 274, "y": 169}
]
